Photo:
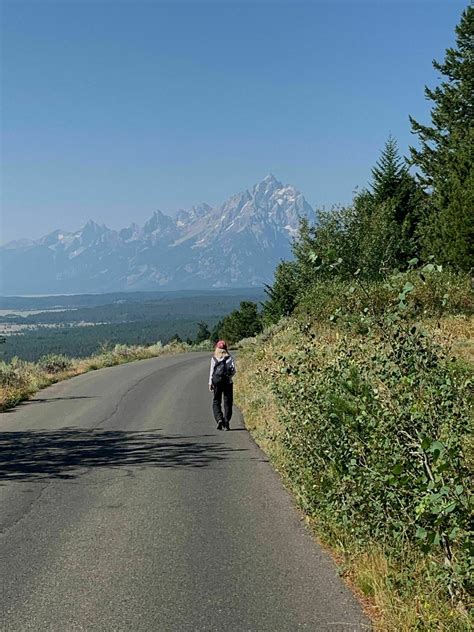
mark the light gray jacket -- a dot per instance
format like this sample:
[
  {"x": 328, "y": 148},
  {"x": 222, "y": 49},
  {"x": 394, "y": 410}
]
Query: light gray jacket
[{"x": 219, "y": 355}]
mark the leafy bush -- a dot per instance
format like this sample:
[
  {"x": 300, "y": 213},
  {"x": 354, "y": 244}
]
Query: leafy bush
[
  {"x": 376, "y": 438},
  {"x": 120, "y": 353},
  {"x": 55, "y": 363},
  {"x": 373, "y": 423},
  {"x": 429, "y": 291},
  {"x": 18, "y": 380},
  {"x": 282, "y": 296}
]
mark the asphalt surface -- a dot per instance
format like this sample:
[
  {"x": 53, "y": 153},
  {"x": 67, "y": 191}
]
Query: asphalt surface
[{"x": 123, "y": 508}]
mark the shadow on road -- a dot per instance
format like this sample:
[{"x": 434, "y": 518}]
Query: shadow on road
[
  {"x": 65, "y": 454},
  {"x": 44, "y": 400}
]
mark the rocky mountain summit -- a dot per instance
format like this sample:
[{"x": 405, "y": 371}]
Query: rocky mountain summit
[{"x": 237, "y": 244}]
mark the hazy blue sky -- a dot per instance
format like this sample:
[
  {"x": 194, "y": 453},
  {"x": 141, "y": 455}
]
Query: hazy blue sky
[{"x": 114, "y": 109}]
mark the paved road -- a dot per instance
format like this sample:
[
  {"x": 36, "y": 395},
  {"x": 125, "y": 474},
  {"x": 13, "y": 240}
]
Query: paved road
[{"x": 122, "y": 508}]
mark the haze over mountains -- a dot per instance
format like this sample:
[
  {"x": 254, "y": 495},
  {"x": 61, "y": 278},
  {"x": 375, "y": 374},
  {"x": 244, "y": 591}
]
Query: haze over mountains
[{"x": 237, "y": 244}]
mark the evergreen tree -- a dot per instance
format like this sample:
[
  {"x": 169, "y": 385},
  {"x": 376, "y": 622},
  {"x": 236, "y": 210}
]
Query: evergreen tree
[
  {"x": 388, "y": 173},
  {"x": 203, "y": 332},
  {"x": 282, "y": 295},
  {"x": 391, "y": 181},
  {"x": 446, "y": 153},
  {"x": 380, "y": 240},
  {"x": 241, "y": 323}
]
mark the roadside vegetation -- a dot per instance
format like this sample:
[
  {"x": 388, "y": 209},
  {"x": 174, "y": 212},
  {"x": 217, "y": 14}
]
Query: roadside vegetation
[
  {"x": 360, "y": 386},
  {"x": 369, "y": 420}
]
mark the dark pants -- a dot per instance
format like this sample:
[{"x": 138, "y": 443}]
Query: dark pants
[{"x": 226, "y": 391}]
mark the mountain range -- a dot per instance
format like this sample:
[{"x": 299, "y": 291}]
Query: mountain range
[{"x": 237, "y": 244}]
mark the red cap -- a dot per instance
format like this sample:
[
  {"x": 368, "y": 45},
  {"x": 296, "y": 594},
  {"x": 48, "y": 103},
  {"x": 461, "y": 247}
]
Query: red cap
[{"x": 221, "y": 345}]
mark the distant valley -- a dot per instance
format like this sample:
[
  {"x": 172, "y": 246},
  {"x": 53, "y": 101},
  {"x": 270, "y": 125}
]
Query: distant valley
[
  {"x": 234, "y": 245},
  {"x": 80, "y": 325}
]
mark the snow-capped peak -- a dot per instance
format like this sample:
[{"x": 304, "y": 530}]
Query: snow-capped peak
[{"x": 235, "y": 244}]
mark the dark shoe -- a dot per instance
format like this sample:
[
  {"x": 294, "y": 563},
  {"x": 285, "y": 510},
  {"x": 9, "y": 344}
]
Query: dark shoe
[
  {"x": 220, "y": 425},
  {"x": 226, "y": 425}
]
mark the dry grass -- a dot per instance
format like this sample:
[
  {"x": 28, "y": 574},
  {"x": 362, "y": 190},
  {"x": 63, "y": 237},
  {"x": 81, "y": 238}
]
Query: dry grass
[
  {"x": 455, "y": 333},
  {"x": 399, "y": 600}
]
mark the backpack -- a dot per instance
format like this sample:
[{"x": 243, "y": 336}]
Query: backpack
[{"x": 220, "y": 375}]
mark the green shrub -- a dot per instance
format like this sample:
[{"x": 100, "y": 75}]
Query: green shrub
[
  {"x": 376, "y": 418},
  {"x": 204, "y": 345},
  {"x": 430, "y": 291},
  {"x": 376, "y": 435},
  {"x": 55, "y": 363}
]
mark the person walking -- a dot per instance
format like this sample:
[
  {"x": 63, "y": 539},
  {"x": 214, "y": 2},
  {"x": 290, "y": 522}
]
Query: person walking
[{"x": 220, "y": 384}]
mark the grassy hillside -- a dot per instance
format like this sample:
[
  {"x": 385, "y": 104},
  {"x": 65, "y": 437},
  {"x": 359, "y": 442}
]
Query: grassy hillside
[{"x": 363, "y": 401}]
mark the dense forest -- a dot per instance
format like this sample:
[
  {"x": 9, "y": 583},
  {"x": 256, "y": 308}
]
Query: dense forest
[
  {"x": 76, "y": 301},
  {"x": 124, "y": 311},
  {"x": 81, "y": 342}
]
